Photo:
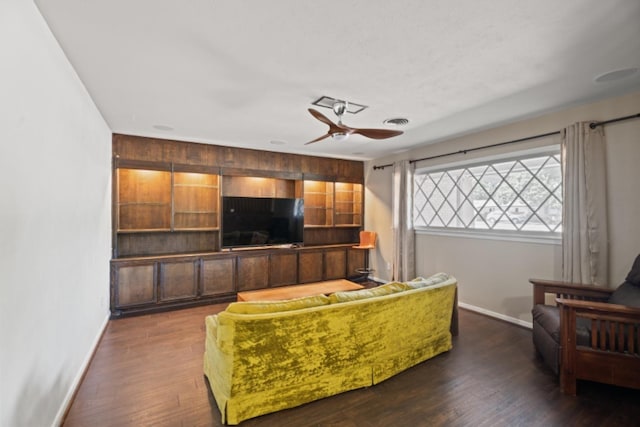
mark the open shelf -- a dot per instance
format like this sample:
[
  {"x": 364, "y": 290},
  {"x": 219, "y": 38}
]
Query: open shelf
[
  {"x": 195, "y": 201},
  {"x": 348, "y": 204},
  {"x": 144, "y": 200},
  {"x": 161, "y": 201},
  {"x": 318, "y": 204}
]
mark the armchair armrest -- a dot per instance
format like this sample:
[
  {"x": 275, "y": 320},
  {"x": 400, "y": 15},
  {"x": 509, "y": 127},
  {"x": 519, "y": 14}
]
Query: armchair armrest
[
  {"x": 612, "y": 354},
  {"x": 604, "y": 308},
  {"x": 567, "y": 290}
]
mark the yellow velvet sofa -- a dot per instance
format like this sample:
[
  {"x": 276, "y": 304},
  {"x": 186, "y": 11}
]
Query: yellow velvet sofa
[{"x": 262, "y": 357}]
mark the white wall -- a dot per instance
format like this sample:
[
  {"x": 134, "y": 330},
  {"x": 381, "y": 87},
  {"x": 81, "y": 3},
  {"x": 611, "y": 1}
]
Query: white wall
[
  {"x": 493, "y": 275},
  {"x": 55, "y": 221}
]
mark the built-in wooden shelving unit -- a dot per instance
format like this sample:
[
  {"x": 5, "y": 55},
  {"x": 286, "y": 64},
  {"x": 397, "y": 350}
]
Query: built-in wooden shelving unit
[{"x": 166, "y": 222}]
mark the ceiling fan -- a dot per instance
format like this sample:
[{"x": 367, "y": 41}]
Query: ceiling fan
[{"x": 340, "y": 132}]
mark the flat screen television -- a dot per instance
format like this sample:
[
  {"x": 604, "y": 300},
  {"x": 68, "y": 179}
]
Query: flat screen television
[{"x": 261, "y": 221}]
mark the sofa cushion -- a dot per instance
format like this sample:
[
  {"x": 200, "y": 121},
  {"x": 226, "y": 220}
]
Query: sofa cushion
[
  {"x": 257, "y": 307},
  {"x": 421, "y": 282},
  {"x": 626, "y": 294},
  {"x": 389, "y": 288},
  {"x": 634, "y": 275}
]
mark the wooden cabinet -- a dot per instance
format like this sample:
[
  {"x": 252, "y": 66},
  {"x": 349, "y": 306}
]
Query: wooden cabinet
[
  {"x": 178, "y": 280},
  {"x": 283, "y": 268},
  {"x": 218, "y": 275},
  {"x": 355, "y": 260},
  {"x": 166, "y": 221},
  {"x": 310, "y": 265},
  {"x": 253, "y": 272},
  {"x": 335, "y": 263},
  {"x": 149, "y": 284},
  {"x": 133, "y": 285}
]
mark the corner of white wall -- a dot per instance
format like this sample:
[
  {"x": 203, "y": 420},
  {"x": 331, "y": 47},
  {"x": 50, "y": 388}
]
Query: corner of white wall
[{"x": 55, "y": 160}]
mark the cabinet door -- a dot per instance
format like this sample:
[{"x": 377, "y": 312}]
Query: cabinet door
[
  {"x": 134, "y": 285},
  {"x": 283, "y": 269},
  {"x": 218, "y": 276},
  {"x": 310, "y": 266},
  {"x": 178, "y": 280},
  {"x": 253, "y": 272},
  {"x": 335, "y": 263},
  {"x": 355, "y": 260}
]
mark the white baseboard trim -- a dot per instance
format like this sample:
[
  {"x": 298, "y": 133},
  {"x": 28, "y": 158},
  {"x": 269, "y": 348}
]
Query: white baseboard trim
[
  {"x": 495, "y": 315},
  {"x": 481, "y": 310},
  {"x": 68, "y": 399}
]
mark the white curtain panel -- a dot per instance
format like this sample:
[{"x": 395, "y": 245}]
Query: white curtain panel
[
  {"x": 584, "y": 207},
  {"x": 403, "y": 232}
]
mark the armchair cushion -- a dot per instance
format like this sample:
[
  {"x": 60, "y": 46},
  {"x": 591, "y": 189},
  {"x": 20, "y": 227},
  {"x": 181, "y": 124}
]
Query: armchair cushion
[
  {"x": 548, "y": 318},
  {"x": 634, "y": 275},
  {"x": 626, "y": 294}
]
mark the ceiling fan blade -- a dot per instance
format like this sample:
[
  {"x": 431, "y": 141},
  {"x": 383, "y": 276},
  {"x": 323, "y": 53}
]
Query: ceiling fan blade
[
  {"x": 378, "y": 133},
  {"x": 333, "y": 127},
  {"x": 339, "y": 128},
  {"x": 318, "y": 115},
  {"x": 318, "y": 139}
]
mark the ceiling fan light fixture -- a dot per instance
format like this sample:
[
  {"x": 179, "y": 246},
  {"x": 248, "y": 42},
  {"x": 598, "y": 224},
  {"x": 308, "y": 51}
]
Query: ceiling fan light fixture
[{"x": 340, "y": 136}]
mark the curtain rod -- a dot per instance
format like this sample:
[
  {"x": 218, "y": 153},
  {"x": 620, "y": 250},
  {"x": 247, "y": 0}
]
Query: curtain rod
[{"x": 592, "y": 125}]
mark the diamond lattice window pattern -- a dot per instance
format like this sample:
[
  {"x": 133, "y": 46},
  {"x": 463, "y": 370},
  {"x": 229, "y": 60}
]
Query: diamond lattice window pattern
[{"x": 519, "y": 195}]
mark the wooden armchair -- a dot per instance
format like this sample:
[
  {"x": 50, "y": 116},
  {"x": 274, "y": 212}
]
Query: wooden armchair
[{"x": 598, "y": 340}]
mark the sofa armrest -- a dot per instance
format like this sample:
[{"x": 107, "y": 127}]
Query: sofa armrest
[
  {"x": 567, "y": 290},
  {"x": 454, "y": 329}
]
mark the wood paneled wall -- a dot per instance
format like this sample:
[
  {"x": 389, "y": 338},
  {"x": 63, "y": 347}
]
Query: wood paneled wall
[{"x": 236, "y": 161}]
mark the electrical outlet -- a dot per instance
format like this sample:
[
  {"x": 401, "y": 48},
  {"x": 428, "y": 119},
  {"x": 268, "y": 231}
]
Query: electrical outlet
[{"x": 388, "y": 266}]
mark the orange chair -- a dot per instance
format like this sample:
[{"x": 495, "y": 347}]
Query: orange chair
[{"x": 367, "y": 242}]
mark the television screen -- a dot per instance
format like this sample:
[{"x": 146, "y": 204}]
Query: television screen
[{"x": 261, "y": 221}]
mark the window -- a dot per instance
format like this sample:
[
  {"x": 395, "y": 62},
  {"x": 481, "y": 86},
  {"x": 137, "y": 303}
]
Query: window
[{"x": 518, "y": 194}]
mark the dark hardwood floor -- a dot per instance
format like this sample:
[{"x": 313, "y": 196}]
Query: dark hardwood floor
[{"x": 147, "y": 371}]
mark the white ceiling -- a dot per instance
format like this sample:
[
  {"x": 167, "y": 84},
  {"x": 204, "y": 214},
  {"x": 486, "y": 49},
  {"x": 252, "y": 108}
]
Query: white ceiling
[{"x": 244, "y": 73}]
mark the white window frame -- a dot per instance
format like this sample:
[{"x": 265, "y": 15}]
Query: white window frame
[{"x": 526, "y": 236}]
